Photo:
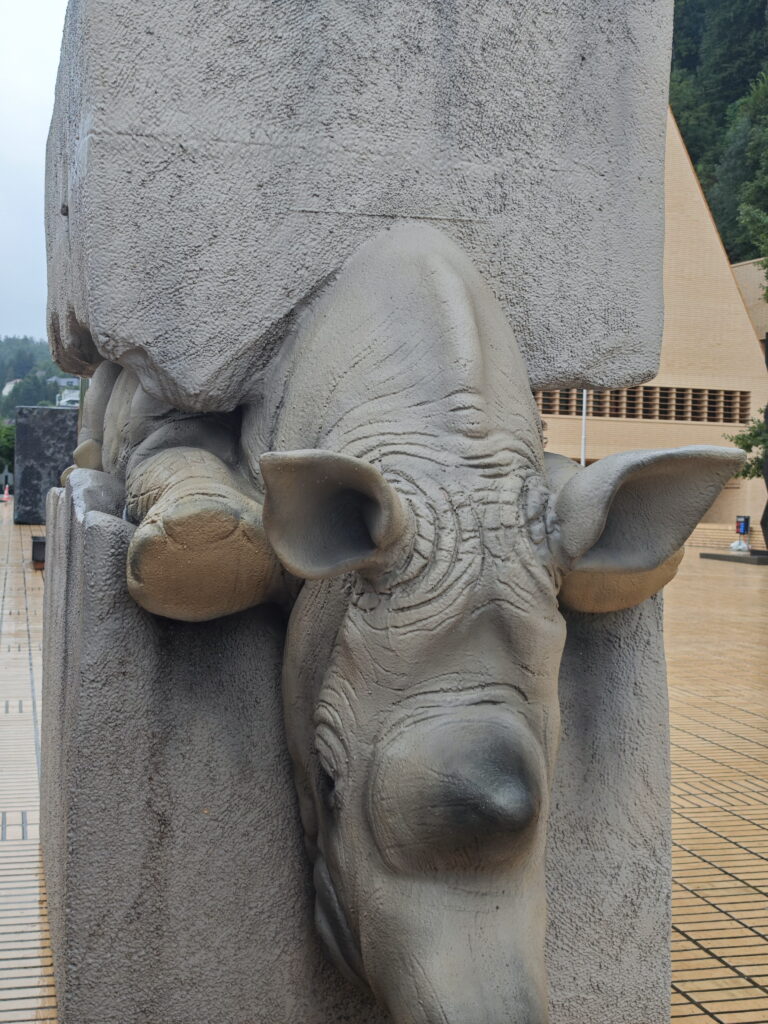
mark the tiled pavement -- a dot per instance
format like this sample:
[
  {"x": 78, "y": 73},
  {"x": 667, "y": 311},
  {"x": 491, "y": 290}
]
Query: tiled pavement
[
  {"x": 717, "y": 644},
  {"x": 717, "y": 651},
  {"x": 26, "y": 975}
]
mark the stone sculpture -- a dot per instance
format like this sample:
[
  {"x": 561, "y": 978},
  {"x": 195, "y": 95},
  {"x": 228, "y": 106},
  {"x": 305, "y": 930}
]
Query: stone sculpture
[
  {"x": 391, "y": 457},
  {"x": 210, "y": 170}
]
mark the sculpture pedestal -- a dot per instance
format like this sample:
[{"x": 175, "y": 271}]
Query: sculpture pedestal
[
  {"x": 178, "y": 888},
  {"x": 609, "y": 874}
]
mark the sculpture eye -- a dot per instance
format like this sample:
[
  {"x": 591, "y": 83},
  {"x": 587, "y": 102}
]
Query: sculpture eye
[
  {"x": 327, "y": 788},
  {"x": 458, "y": 791},
  {"x": 330, "y": 754}
]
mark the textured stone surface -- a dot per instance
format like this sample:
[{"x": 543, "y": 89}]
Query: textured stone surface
[
  {"x": 178, "y": 888},
  {"x": 144, "y": 858},
  {"x": 209, "y": 166},
  {"x": 608, "y": 858},
  {"x": 45, "y": 441}
]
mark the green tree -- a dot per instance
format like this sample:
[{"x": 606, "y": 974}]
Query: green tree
[
  {"x": 732, "y": 174},
  {"x": 20, "y": 356},
  {"x": 720, "y": 49},
  {"x": 7, "y": 444},
  {"x": 753, "y": 196},
  {"x": 740, "y": 196},
  {"x": 33, "y": 389},
  {"x": 689, "y": 28},
  {"x": 731, "y": 53},
  {"x": 693, "y": 117},
  {"x": 754, "y": 441}
]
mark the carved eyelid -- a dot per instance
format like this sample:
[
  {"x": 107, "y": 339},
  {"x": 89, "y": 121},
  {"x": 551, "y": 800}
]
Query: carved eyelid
[{"x": 331, "y": 753}]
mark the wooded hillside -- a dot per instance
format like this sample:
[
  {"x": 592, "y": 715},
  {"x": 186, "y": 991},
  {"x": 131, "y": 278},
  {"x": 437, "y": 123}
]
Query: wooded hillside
[{"x": 719, "y": 94}]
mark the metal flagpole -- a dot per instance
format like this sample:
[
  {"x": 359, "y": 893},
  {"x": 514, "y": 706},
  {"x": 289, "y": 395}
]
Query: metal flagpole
[{"x": 584, "y": 427}]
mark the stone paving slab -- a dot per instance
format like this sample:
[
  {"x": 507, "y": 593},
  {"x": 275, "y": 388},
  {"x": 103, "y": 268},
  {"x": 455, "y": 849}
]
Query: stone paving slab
[
  {"x": 717, "y": 653},
  {"x": 27, "y": 990}
]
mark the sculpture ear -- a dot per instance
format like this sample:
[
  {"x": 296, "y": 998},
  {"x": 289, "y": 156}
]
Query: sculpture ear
[
  {"x": 328, "y": 514},
  {"x": 624, "y": 519}
]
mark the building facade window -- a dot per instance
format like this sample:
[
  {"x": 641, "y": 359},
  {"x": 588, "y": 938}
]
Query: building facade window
[{"x": 687, "y": 405}]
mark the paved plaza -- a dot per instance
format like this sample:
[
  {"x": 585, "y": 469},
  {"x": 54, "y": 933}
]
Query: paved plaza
[
  {"x": 26, "y": 975},
  {"x": 717, "y": 643},
  {"x": 717, "y": 651}
]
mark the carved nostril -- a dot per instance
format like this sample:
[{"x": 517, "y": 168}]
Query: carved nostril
[
  {"x": 463, "y": 787},
  {"x": 482, "y": 790}
]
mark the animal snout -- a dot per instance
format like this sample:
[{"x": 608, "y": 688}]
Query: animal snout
[{"x": 461, "y": 788}]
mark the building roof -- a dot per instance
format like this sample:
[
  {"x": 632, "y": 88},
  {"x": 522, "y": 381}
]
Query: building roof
[
  {"x": 709, "y": 340},
  {"x": 751, "y": 279}
]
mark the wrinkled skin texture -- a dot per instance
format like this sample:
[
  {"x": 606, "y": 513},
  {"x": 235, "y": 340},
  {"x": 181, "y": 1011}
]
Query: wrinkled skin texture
[{"x": 406, "y": 483}]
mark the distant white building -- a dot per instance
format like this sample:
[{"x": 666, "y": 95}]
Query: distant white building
[
  {"x": 8, "y": 388},
  {"x": 68, "y": 398}
]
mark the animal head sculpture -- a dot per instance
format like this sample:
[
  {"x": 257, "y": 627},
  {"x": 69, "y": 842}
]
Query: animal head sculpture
[
  {"x": 424, "y": 722},
  {"x": 437, "y": 542}
]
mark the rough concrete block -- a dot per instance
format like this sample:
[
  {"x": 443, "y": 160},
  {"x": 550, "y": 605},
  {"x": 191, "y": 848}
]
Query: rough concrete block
[
  {"x": 609, "y": 850},
  {"x": 45, "y": 440},
  {"x": 208, "y": 167}
]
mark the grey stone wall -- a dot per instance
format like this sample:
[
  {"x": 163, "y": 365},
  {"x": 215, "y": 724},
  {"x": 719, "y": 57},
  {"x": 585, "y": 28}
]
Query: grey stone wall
[
  {"x": 45, "y": 441},
  {"x": 208, "y": 167}
]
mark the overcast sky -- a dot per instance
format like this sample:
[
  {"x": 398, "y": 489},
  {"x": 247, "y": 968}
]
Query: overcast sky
[{"x": 30, "y": 37}]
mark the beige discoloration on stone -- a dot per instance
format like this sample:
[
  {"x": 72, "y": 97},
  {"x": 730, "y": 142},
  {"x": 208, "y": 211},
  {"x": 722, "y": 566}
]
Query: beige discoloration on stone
[
  {"x": 599, "y": 592},
  {"x": 88, "y": 454},
  {"x": 200, "y": 551}
]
